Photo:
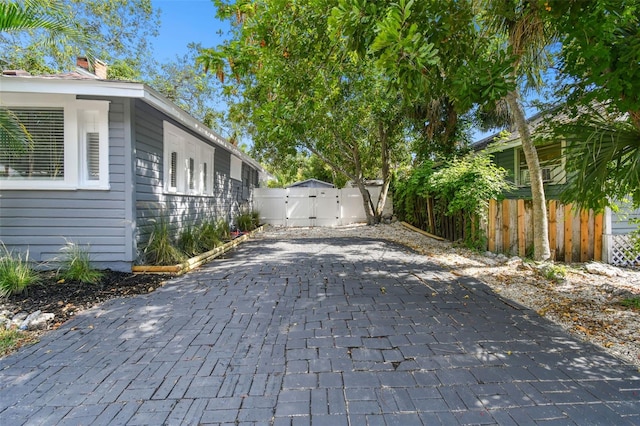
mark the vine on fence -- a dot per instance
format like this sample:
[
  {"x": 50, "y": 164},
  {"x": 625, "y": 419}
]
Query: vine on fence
[{"x": 461, "y": 186}]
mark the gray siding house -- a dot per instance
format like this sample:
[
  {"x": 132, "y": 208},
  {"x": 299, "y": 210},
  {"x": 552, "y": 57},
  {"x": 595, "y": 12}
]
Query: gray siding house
[{"x": 108, "y": 159}]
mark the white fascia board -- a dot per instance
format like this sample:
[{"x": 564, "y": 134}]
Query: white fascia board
[
  {"x": 120, "y": 89},
  {"x": 160, "y": 102}
]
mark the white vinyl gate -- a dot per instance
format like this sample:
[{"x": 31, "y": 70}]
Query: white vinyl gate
[{"x": 301, "y": 207}]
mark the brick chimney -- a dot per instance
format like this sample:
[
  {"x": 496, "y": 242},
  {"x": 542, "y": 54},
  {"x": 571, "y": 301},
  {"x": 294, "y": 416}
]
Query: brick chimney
[
  {"x": 82, "y": 62},
  {"x": 98, "y": 68}
]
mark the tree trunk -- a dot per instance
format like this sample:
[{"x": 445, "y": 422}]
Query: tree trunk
[
  {"x": 369, "y": 212},
  {"x": 541, "y": 249},
  {"x": 386, "y": 175}
]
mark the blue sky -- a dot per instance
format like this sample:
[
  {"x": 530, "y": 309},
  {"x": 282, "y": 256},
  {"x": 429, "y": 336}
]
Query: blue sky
[{"x": 183, "y": 22}]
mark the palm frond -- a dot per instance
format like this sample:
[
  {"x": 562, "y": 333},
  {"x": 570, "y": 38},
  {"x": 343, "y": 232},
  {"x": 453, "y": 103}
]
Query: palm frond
[
  {"x": 33, "y": 14},
  {"x": 603, "y": 160},
  {"x": 14, "y": 136}
]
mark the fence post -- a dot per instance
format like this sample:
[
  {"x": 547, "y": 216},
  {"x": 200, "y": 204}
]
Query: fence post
[
  {"x": 553, "y": 229},
  {"x": 597, "y": 237},
  {"x": 584, "y": 235},
  {"x": 568, "y": 234},
  {"x": 521, "y": 235},
  {"x": 506, "y": 246},
  {"x": 491, "y": 226}
]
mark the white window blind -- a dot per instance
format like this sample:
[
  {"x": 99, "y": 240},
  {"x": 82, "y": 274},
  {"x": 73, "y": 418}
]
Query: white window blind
[
  {"x": 205, "y": 187},
  {"x": 93, "y": 155},
  {"x": 173, "y": 170},
  {"x": 43, "y": 159},
  {"x": 191, "y": 171}
]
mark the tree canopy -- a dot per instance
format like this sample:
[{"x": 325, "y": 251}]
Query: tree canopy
[
  {"x": 106, "y": 29},
  {"x": 299, "y": 90}
]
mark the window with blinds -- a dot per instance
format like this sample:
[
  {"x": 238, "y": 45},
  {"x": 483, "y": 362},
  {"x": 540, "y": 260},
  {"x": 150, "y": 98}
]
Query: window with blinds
[
  {"x": 192, "y": 167},
  {"x": 93, "y": 155},
  {"x": 205, "y": 178},
  {"x": 43, "y": 159},
  {"x": 173, "y": 170}
]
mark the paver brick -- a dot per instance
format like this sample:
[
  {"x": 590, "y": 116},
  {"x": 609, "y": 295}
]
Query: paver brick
[{"x": 297, "y": 332}]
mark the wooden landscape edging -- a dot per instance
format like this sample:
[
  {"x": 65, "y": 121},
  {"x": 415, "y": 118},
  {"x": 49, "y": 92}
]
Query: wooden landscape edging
[
  {"x": 413, "y": 228},
  {"x": 574, "y": 236},
  {"x": 196, "y": 261}
]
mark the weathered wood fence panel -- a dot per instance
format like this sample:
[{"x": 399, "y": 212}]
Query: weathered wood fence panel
[{"x": 574, "y": 236}]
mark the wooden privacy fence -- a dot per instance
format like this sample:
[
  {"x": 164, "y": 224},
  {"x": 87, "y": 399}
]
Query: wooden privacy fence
[
  {"x": 430, "y": 215},
  {"x": 574, "y": 236}
]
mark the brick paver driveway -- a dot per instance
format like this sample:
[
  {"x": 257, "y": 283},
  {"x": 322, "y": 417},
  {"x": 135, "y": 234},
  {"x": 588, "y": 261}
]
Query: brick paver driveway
[{"x": 322, "y": 332}]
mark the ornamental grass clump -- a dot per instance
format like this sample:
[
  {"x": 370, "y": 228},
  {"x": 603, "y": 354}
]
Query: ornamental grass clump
[
  {"x": 160, "y": 249},
  {"x": 247, "y": 221},
  {"x": 16, "y": 274},
  {"x": 209, "y": 237},
  {"x": 223, "y": 229},
  {"x": 76, "y": 265},
  {"x": 189, "y": 241}
]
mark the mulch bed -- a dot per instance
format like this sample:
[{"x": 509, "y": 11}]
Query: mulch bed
[{"x": 66, "y": 298}]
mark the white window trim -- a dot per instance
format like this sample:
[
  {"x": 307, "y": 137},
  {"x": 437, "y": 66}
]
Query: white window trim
[
  {"x": 206, "y": 154},
  {"x": 559, "y": 181},
  {"x": 187, "y": 147},
  {"x": 75, "y": 167},
  {"x": 98, "y": 111}
]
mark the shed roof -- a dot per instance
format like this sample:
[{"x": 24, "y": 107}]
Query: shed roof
[{"x": 311, "y": 183}]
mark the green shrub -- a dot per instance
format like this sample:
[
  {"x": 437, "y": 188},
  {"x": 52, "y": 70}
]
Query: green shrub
[
  {"x": 223, "y": 230},
  {"x": 160, "y": 249},
  {"x": 255, "y": 217},
  {"x": 208, "y": 236},
  {"x": 554, "y": 271},
  {"x": 244, "y": 221},
  {"x": 189, "y": 241},
  {"x": 76, "y": 265},
  {"x": 631, "y": 302},
  {"x": 460, "y": 186},
  {"x": 16, "y": 274}
]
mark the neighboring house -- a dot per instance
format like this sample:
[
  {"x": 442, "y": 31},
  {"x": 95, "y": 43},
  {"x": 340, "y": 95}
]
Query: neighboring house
[
  {"x": 506, "y": 151},
  {"x": 108, "y": 159}
]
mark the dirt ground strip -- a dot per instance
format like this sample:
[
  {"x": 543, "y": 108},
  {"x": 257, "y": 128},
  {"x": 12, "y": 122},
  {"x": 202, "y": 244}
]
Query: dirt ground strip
[{"x": 587, "y": 305}]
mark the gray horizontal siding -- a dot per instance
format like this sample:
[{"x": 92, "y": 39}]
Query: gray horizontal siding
[
  {"x": 180, "y": 211},
  {"x": 625, "y": 220},
  {"x": 42, "y": 222}
]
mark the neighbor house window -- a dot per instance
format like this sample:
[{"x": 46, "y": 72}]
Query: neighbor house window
[
  {"x": 551, "y": 165},
  {"x": 68, "y": 148},
  {"x": 188, "y": 162}
]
